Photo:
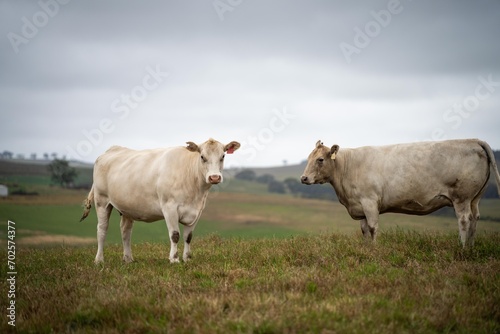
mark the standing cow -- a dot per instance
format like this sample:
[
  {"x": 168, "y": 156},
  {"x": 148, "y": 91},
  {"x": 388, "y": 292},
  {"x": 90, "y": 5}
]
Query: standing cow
[
  {"x": 149, "y": 185},
  {"x": 416, "y": 178}
]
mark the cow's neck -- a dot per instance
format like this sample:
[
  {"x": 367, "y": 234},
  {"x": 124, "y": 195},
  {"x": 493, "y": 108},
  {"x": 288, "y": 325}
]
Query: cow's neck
[
  {"x": 339, "y": 166},
  {"x": 196, "y": 189},
  {"x": 201, "y": 185}
]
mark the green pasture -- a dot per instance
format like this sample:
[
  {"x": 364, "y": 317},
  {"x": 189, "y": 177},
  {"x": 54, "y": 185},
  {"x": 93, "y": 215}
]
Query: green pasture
[
  {"x": 230, "y": 215},
  {"x": 234, "y": 208}
]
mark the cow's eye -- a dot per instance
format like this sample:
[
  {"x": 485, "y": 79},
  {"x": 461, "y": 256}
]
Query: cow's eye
[
  {"x": 320, "y": 160},
  {"x": 203, "y": 159},
  {"x": 222, "y": 158}
]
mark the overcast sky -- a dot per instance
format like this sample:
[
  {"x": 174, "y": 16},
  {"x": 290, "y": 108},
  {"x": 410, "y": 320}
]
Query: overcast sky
[{"x": 79, "y": 76}]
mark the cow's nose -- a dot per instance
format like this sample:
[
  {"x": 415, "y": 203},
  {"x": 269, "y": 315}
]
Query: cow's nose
[
  {"x": 214, "y": 179},
  {"x": 304, "y": 179}
]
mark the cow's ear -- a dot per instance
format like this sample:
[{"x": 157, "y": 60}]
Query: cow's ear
[
  {"x": 319, "y": 143},
  {"x": 333, "y": 152},
  {"x": 231, "y": 147},
  {"x": 192, "y": 147}
]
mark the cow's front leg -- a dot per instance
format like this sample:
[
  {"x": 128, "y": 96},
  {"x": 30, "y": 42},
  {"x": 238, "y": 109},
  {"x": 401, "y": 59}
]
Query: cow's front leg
[
  {"x": 370, "y": 223},
  {"x": 188, "y": 236},
  {"x": 365, "y": 229},
  {"x": 172, "y": 220}
]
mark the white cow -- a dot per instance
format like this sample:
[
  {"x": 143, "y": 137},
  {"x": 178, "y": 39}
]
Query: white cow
[
  {"x": 416, "y": 178},
  {"x": 149, "y": 185}
]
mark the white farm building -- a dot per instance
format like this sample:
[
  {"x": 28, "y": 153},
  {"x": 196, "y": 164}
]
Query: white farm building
[{"x": 4, "y": 191}]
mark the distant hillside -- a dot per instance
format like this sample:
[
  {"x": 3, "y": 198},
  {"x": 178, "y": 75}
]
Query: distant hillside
[
  {"x": 26, "y": 167},
  {"x": 33, "y": 167},
  {"x": 15, "y": 171},
  {"x": 280, "y": 173}
]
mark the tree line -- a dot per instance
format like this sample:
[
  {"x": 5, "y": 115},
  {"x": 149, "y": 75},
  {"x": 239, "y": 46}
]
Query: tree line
[
  {"x": 325, "y": 191},
  {"x": 290, "y": 185}
]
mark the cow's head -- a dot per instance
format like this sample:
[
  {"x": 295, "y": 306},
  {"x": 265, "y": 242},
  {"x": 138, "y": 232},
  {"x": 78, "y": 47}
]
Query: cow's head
[
  {"x": 211, "y": 158},
  {"x": 319, "y": 164}
]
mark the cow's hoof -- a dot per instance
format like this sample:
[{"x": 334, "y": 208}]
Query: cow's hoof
[
  {"x": 174, "y": 260},
  {"x": 128, "y": 259}
]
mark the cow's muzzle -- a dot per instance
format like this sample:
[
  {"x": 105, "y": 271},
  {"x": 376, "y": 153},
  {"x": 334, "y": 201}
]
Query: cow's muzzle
[
  {"x": 214, "y": 179},
  {"x": 305, "y": 180}
]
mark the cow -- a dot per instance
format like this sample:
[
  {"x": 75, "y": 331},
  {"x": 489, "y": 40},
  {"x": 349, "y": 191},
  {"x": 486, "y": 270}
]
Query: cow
[
  {"x": 414, "y": 178},
  {"x": 149, "y": 185}
]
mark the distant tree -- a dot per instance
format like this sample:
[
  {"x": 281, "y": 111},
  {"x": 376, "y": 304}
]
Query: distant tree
[
  {"x": 61, "y": 173},
  {"x": 246, "y": 174},
  {"x": 264, "y": 178},
  {"x": 497, "y": 155},
  {"x": 54, "y": 156},
  {"x": 7, "y": 155},
  {"x": 323, "y": 191},
  {"x": 46, "y": 156},
  {"x": 293, "y": 185},
  {"x": 491, "y": 191},
  {"x": 276, "y": 187},
  {"x": 33, "y": 156}
]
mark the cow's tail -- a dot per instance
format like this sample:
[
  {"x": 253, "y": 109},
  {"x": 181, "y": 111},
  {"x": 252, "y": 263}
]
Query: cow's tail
[
  {"x": 87, "y": 203},
  {"x": 493, "y": 163}
]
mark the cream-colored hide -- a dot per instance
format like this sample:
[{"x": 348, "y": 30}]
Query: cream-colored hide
[
  {"x": 416, "y": 178},
  {"x": 149, "y": 185}
]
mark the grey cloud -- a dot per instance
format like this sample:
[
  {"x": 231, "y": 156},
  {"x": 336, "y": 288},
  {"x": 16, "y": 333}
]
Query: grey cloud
[{"x": 226, "y": 76}]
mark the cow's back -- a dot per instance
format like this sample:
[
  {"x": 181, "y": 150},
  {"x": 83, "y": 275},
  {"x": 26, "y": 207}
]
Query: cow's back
[
  {"x": 128, "y": 179},
  {"x": 121, "y": 164}
]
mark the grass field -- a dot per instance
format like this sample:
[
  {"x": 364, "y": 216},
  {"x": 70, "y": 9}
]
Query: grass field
[
  {"x": 409, "y": 282},
  {"x": 261, "y": 263}
]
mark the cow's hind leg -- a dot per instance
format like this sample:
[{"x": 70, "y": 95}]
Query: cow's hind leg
[
  {"x": 466, "y": 221},
  {"x": 126, "y": 224},
  {"x": 103, "y": 213},
  {"x": 475, "y": 218}
]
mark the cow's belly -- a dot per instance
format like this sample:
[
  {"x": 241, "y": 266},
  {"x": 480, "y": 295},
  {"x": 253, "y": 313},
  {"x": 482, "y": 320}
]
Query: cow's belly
[
  {"x": 141, "y": 215},
  {"x": 146, "y": 210},
  {"x": 412, "y": 206},
  {"x": 417, "y": 206}
]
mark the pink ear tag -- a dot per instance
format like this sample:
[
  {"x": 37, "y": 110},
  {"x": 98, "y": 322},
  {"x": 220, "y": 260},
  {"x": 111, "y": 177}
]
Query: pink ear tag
[{"x": 230, "y": 150}]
